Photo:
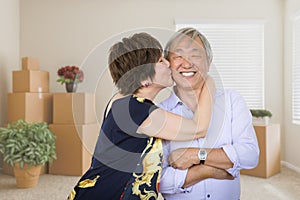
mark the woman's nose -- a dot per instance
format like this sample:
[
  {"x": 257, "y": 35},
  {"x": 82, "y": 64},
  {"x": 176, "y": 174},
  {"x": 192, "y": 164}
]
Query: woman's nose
[{"x": 166, "y": 62}]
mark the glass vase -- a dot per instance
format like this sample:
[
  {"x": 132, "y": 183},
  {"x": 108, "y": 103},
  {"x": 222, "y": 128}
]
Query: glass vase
[{"x": 71, "y": 87}]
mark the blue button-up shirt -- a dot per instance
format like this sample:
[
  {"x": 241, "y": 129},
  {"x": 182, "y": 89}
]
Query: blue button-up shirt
[{"x": 231, "y": 129}]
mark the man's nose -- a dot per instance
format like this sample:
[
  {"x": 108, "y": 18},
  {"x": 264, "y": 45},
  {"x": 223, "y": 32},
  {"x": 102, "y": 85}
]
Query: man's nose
[{"x": 186, "y": 63}]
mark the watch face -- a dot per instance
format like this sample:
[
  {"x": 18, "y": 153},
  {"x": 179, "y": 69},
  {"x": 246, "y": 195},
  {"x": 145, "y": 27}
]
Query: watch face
[{"x": 202, "y": 154}]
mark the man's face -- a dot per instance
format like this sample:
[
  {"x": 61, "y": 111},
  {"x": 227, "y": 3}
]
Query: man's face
[{"x": 188, "y": 62}]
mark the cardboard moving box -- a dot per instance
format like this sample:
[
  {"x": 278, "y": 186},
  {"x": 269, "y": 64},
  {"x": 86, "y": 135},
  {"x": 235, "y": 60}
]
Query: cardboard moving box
[
  {"x": 32, "y": 107},
  {"x": 74, "y": 108},
  {"x": 269, "y": 144},
  {"x": 74, "y": 148},
  {"x": 30, "y": 63},
  {"x": 30, "y": 81}
]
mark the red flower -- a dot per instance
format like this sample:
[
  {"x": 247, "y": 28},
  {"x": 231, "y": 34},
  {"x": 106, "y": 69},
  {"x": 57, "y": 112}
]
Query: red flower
[
  {"x": 70, "y": 74},
  {"x": 80, "y": 75}
]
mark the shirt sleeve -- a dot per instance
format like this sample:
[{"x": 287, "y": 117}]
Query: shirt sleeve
[
  {"x": 172, "y": 179},
  {"x": 244, "y": 150}
]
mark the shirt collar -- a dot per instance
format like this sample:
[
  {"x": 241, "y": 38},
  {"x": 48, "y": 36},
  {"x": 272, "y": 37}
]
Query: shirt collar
[{"x": 173, "y": 100}]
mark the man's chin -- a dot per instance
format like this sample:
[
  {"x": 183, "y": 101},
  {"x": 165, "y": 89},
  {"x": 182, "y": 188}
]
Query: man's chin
[{"x": 185, "y": 87}]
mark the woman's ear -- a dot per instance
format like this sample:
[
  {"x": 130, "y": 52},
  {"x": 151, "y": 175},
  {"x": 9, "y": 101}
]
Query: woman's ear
[{"x": 146, "y": 83}]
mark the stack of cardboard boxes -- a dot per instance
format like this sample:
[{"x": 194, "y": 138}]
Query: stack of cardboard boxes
[
  {"x": 71, "y": 116},
  {"x": 30, "y": 99},
  {"x": 268, "y": 137},
  {"x": 76, "y": 129}
]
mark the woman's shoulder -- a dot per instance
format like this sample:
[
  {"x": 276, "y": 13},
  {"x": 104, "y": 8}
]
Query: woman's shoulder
[
  {"x": 132, "y": 100},
  {"x": 132, "y": 103}
]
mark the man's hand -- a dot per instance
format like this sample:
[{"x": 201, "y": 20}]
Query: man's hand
[
  {"x": 220, "y": 174},
  {"x": 199, "y": 173},
  {"x": 184, "y": 158}
]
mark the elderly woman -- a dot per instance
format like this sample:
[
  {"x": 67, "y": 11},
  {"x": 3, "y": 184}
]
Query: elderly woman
[{"x": 128, "y": 155}]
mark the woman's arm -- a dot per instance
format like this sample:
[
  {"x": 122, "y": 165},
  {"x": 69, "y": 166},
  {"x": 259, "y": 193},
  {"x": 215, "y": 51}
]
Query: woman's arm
[{"x": 169, "y": 126}]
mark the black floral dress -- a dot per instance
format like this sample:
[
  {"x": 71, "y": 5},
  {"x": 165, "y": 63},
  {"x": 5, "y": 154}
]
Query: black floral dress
[{"x": 125, "y": 165}]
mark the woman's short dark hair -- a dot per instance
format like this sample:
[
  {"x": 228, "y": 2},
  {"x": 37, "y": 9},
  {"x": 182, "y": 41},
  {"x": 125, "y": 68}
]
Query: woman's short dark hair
[{"x": 132, "y": 60}]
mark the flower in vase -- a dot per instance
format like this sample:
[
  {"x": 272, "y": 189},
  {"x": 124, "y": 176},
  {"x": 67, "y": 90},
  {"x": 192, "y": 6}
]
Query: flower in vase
[{"x": 70, "y": 74}]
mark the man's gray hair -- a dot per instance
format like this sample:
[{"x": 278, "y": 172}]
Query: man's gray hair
[{"x": 192, "y": 33}]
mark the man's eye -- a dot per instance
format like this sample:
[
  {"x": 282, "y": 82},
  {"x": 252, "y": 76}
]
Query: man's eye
[
  {"x": 177, "y": 57},
  {"x": 196, "y": 56}
]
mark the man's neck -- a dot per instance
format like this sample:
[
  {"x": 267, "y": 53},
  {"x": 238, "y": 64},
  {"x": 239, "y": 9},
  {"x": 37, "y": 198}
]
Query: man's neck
[{"x": 188, "y": 96}]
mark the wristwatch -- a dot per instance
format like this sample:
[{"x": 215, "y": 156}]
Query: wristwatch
[{"x": 202, "y": 154}]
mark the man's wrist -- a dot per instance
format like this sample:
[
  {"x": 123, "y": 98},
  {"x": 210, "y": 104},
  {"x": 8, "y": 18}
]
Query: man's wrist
[
  {"x": 195, "y": 156},
  {"x": 202, "y": 155}
]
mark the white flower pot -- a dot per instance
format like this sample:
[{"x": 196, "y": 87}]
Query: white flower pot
[{"x": 260, "y": 121}]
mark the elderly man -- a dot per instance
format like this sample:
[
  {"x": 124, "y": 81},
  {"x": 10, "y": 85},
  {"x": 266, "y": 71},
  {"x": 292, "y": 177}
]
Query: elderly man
[{"x": 205, "y": 168}]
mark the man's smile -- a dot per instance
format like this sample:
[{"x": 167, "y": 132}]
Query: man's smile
[{"x": 187, "y": 74}]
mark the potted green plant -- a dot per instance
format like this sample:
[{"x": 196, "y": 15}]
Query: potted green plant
[
  {"x": 27, "y": 146},
  {"x": 260, "y": 116}
]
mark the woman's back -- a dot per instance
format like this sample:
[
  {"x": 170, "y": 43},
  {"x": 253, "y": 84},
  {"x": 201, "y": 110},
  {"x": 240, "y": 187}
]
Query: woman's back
[{"x": 126, "y": 163}]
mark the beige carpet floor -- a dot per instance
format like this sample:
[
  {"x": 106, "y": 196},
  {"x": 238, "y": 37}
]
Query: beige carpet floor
[{"x": 283, "y": 186}]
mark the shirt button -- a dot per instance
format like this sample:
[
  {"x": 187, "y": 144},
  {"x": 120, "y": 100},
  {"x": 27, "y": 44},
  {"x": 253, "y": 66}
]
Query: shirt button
[
  {"x": 208, "y": 196},
  {"x": 180, "y": 103}
]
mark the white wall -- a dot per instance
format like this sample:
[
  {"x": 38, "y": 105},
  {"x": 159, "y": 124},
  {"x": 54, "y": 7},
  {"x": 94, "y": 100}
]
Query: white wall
[
  {"x": 62, "y": 32},
  {"x": 9, "y": 50},
  {"x": 292, "y": 131}
]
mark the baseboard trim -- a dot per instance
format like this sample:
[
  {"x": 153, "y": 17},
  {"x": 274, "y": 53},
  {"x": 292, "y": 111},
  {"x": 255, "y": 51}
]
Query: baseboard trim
[{"x": 290, "y": 166}]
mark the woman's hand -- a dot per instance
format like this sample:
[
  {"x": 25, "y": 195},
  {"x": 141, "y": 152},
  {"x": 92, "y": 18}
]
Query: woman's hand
[{"x": 210, "y": 86}]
